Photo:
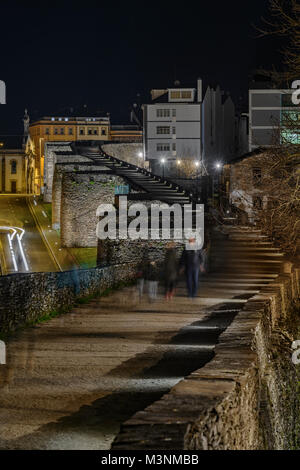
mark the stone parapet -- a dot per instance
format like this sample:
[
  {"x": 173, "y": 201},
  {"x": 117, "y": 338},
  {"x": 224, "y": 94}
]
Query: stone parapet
[{"x": 26, "y": 298}]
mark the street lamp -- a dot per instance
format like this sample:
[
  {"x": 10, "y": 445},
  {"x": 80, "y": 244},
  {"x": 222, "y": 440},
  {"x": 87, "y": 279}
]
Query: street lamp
[
  {"x": 163, "y": 161},
  {"x": 140, "y": 154},
  {"x": 178, "y": 163},
  {"x": 218, "y": 167}
]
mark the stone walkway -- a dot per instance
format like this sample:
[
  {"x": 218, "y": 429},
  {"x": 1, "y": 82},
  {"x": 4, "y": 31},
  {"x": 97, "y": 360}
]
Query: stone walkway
[{"x": 70, "y": 382}]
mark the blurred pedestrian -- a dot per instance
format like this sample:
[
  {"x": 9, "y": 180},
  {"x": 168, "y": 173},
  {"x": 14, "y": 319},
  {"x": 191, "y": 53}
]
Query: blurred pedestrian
[
  {"x": 151, "y": 278},
  {"x": 170, "y": 270},
  {"x": 190, "y": 261}
]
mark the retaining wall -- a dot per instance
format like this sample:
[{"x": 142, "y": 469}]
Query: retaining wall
[{"x": 28, "y": 297}]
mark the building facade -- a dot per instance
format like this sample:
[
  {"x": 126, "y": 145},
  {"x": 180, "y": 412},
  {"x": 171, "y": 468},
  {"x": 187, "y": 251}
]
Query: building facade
[
  {"x": 269, "y": 110},
  {"x": 182, "y": 127},
  {"x": 12, "y": 166},
  {"x": 172, "y": 126},
  {"x": 63, "y": 129}
]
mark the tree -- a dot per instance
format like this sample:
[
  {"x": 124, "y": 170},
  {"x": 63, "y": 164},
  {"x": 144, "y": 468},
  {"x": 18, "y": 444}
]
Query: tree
[{"x": 285, "y": 23}]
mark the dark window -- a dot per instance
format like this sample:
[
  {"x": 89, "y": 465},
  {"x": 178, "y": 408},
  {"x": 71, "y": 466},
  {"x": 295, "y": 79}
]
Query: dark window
[
  {"x": 55, "y": 131},
  {"x": 13, "y": 168},
  {"x": 103, "y": 132},
  {"x": 70, "y": 131},
  {"x": 257, "y": 202},
  {"x": 47, "y": 131},
  {"x": 62, "y": 131},
  {"x": 256, "y": 174}
]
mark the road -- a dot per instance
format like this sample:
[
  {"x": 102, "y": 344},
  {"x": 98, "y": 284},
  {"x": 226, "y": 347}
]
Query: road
[{"x": 14, "y": 212}]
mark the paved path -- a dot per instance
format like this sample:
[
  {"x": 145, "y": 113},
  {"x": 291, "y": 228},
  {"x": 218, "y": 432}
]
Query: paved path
[{"x": 69, "y": 383}]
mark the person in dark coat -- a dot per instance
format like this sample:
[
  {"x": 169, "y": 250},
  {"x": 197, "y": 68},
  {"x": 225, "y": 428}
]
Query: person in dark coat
[
  {"x": 170, "y": 271},
  {"x": 190, "y": 261}
]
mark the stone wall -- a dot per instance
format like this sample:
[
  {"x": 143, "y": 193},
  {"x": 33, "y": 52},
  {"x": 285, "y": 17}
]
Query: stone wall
[
  {"x": 243, "y": 189},
  {"x": 80, "y": 196},
  {"x": 29, "y": 297},
  {"x": 49, "y": 165},
  {"x": 60, "y": 169},
  {"x": 128, "y": 152},
  {"x": 247, "y": 397}
]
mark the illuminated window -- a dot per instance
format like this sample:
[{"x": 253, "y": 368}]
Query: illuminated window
[
  {"x": 13, "y": 167},
  {"x": 163, "y": 130},
  {"x": 175, "y": 95},
  {"x": 290, "y": 137},
  {"x": 186, "y": 94}
]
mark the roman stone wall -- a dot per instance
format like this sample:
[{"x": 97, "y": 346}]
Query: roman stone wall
[
  {"x": 80, "y": 196},
  {"x": 60, "y": 169},
  {"x": 57, "y": 153},
  {"x": 29, "y": 297}
]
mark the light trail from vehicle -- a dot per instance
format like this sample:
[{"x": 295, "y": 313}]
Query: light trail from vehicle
[{"x": 19, "y": 236}]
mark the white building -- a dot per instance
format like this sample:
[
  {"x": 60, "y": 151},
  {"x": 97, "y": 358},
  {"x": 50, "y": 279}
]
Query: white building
[
  {"x": 172, "y": 126},
  {"x": 267, "y": 110},
  {"x": 180, "y": 125}
]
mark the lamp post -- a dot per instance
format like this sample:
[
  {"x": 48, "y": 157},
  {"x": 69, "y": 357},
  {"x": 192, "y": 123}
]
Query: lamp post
[
  {"x": 178, "y": 163},
  {"x": 163, "y": 161},
  {"x": 197, "y": 165},
  {"x": 217, "y": 167}
]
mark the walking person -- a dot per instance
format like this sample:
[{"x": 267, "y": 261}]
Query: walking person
[
  {"x": 190, "y": 261},
  {"x": 141, "y": 274},
  {"x": 170, "y": 271},
  {"x": 151, "y": 278}
]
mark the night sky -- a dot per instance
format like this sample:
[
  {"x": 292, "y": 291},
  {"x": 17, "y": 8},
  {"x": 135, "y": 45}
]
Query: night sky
[{"x": 70, "y": 54}]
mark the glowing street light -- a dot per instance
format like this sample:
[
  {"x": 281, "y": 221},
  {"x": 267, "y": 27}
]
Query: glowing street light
[
  {"x": 140, "y": 154},
  {"x": 163, "y": 161},
  {"x": 218, "y": 165}
]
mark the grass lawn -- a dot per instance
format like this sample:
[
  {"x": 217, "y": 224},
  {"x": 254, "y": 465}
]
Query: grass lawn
[{"x": 86, "y": 257}]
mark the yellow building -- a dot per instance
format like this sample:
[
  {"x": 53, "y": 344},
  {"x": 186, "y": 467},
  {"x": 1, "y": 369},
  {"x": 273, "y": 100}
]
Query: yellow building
[
  {"x": 63, "y": 129},
  {"x": 12, "y": 165}
]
